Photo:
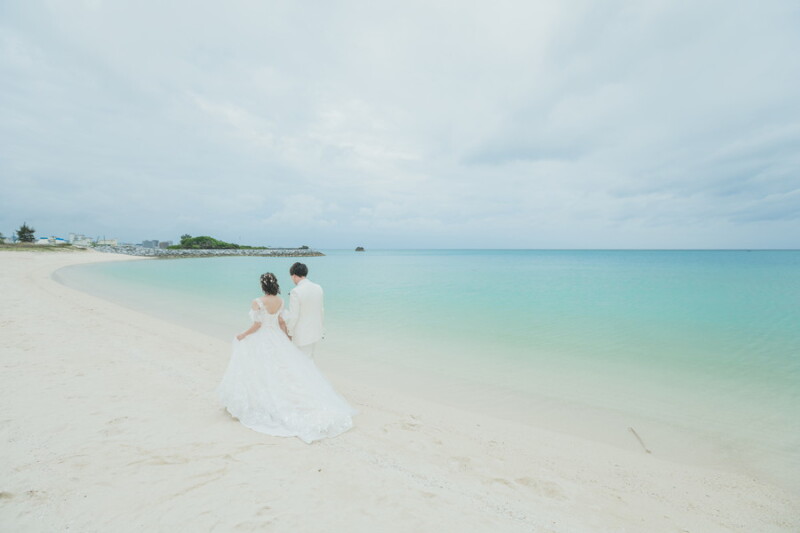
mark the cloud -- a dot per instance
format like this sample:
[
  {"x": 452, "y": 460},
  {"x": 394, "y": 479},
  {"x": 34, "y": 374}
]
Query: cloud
[
  {"x": 514, "y": 124},
  {"x": 300, "y": 210}
]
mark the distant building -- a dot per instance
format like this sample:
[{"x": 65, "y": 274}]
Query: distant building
[
  {"x": 51, "y": 240},
  {"x": 150, "y": 244},
  {"x": 79, "y": 239},
  {"x": 164, "y": 244},
  {"x": 107, "y": 242}
]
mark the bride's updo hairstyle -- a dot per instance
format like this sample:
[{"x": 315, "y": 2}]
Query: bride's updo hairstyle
[{"x": 269, "y": 284}]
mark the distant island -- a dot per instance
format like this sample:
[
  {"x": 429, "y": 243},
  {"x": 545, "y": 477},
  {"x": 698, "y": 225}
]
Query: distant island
[{"x": 359, "y": 248}]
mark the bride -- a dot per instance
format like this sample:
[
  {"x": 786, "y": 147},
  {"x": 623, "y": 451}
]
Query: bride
[{"x": 274, "y": 388}]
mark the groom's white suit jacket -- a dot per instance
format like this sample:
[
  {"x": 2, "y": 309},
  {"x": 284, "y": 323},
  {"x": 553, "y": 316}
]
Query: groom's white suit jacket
[{"x": 305, "y": 314}]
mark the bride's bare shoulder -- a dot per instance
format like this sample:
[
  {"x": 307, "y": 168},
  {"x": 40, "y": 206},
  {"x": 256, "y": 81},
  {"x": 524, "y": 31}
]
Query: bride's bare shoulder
[{"x": 272, "y": 302}]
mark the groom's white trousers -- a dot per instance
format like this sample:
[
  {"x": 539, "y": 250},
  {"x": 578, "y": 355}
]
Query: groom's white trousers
[{"x": 308, "y": 349}]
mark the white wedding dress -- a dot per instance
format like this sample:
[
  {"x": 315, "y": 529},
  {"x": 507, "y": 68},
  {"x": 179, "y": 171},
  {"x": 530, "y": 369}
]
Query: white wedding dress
[{"x": 274, "y": 388}]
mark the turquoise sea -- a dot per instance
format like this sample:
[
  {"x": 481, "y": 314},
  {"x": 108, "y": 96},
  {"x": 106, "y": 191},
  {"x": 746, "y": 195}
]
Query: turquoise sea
[{"x": 698, "y": 351}]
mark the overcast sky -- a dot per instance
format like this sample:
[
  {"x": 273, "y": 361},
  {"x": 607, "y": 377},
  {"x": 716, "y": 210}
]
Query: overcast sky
[{"x": 503, "y": 124}]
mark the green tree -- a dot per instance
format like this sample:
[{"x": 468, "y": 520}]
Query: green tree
[
  {"x": 2, "y": 238},
  {"x": 204, "y": 242},
  {"x": 25, "y": 233},
  {"x": 185, "y": 237}
]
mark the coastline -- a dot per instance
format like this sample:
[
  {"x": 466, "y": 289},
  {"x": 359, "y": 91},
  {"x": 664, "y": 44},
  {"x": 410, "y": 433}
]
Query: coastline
[
  {"x": 111, "y": 424},
  {"x": 168, "y": 253}
]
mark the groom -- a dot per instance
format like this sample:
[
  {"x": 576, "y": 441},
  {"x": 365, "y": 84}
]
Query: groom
[{"x": 304, "y": 318}]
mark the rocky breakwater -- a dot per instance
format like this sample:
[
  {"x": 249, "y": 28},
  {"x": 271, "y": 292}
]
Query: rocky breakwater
[{"x": 167, "y": 253}]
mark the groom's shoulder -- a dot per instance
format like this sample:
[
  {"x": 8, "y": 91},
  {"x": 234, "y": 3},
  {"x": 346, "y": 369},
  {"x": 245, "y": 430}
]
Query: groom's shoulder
[
  {"x": 305, "y": 286},
  {"x": 312, "y": 287}
]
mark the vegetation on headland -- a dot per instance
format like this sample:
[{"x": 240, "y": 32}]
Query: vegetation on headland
[
  {"x": 33, "y": 247},
  {"x": 205, "y": 242},
  {"x": 24, "y": 239}
]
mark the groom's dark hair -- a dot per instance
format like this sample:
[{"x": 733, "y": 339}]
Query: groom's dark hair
[{"x": 298, "y": 269}]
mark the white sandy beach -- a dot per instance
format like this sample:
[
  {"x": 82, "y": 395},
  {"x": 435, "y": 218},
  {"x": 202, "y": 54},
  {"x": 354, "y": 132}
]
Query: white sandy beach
[{"x": 109, "y": 423}]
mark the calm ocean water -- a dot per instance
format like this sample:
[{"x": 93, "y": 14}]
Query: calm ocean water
[{"x": 700, "y": 350}]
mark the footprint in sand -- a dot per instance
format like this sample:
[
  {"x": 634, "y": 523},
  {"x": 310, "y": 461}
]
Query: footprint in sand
[
  {"x": 545, "y": 488},
  {"x": 459, "y": 463}
]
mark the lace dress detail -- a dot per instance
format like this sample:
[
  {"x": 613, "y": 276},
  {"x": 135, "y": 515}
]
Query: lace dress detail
[{"x": 274, "y": 388}]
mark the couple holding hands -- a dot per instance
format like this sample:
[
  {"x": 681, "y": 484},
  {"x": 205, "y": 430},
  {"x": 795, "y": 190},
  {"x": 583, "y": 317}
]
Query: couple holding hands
[{"x": 272, "y": 384}]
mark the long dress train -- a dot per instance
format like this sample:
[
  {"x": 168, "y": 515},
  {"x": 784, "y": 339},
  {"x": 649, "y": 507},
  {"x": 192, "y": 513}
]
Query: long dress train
[{"x": 274, "y": 388}]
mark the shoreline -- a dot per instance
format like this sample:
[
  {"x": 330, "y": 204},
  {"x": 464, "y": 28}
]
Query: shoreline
[
  {"x": 684, "y": 421},
  {"x": 96, "y": 420}
]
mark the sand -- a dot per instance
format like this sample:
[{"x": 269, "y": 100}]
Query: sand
[{"x": 109, "y": 423}]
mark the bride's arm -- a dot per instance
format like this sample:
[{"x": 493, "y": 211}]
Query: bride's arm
[
  {"x": 255, "y": 327},
  {"x": 282, "y": 323}
]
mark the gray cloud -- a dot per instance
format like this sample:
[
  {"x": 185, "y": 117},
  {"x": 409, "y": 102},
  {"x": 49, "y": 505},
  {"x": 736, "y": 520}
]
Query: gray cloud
[{"x": 518, "y": 125}]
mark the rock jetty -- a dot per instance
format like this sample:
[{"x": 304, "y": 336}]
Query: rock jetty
[{"x": 167, "y": 253}]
